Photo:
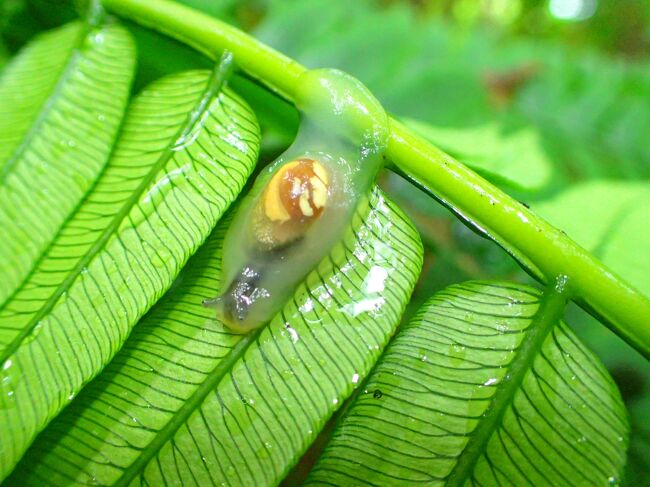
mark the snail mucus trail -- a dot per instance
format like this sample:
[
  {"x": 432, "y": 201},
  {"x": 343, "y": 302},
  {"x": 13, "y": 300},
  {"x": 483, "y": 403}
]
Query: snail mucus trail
[{"x": 302, "y": 203}]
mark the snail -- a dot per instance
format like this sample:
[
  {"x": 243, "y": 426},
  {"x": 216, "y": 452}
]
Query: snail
[{"x": 301, "y": 205}]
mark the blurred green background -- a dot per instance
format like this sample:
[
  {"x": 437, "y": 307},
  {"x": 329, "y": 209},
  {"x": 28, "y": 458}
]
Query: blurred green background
[{"x": 553, "y": 95}]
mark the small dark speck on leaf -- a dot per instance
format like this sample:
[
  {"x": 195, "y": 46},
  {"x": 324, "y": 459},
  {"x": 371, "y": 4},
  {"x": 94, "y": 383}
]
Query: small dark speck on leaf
[
  {"x": 524, "y": 204},
  {"x": 377, "y": 394}
]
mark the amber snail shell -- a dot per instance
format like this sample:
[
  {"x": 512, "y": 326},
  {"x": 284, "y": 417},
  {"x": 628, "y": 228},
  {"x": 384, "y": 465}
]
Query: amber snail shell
[{"x": 293, "y": 199}]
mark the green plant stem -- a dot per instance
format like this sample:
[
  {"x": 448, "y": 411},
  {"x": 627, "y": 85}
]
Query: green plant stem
[
  {"x": 545, "y": 250},
  {"x": 211, "y": 36}
]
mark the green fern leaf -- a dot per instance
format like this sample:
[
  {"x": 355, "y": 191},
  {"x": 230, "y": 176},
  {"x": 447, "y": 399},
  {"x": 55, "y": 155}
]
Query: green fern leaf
[
  {"x": 185, "y": 402},
  {"x": 187, "y": 148}
]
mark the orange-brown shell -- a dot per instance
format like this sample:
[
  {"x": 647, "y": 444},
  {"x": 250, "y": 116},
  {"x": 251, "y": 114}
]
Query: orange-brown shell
[
  {"x": 295, "y": 197},
  {"x": 297, "y": 192}
]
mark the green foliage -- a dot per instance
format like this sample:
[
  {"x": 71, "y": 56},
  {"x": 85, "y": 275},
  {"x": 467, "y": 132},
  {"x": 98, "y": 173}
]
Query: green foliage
[
  {"x": 583, "y": 105},
  {"x": 587, "y": 108},
  {"x": 589, "y": 111},
  {"x": 187, "y": 401},
  {"x": 631, "y": 372},
  {"x": 609, "y": 218},
  {"x": 514, "y": 159},
  {"x": 480, "y": 385},
  {"x": 4, "y": 55},
  {"x": 414, "y": 56},
  {"x": 186, "y": 149}
]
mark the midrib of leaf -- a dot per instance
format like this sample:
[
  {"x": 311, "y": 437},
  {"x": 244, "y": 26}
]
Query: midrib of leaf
[
  {"x": 215, "y": 84},
  {"x": 188, "y": 407},
  {"x": 34, "y": 129},
  {"x": 551, "y": 309}
]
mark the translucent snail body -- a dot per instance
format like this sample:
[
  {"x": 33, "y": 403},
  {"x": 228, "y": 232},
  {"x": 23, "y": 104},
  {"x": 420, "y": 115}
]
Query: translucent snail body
[{"x": 302, "y": 203}]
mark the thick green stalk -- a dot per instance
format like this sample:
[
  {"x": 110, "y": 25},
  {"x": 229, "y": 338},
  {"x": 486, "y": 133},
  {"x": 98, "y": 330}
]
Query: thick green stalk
[
  {"x": 211, "y": 36},
  {"x": 545, "y": 250}
]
